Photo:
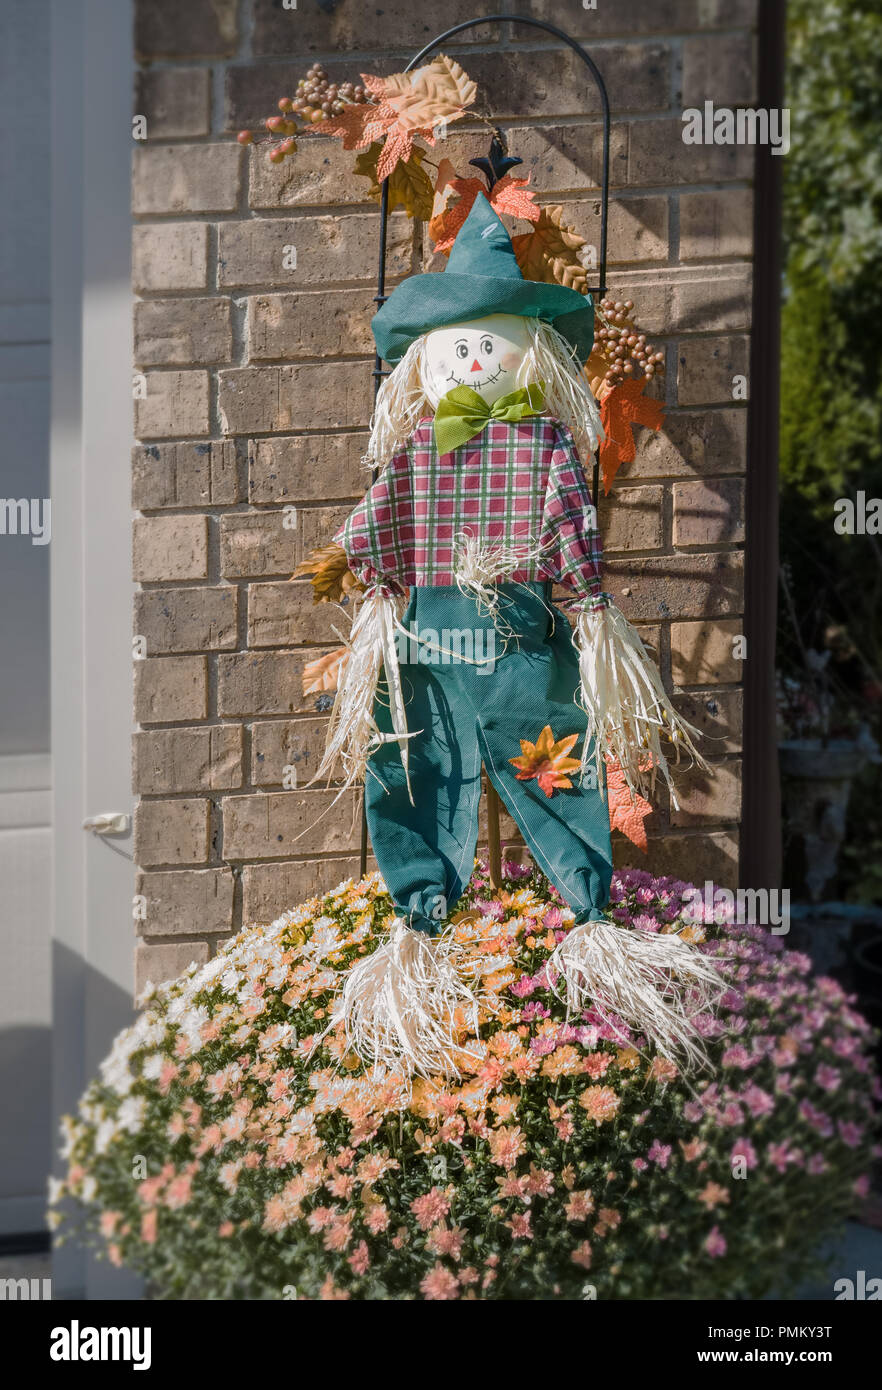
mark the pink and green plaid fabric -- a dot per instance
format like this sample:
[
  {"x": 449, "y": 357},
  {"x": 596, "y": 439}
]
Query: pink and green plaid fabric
[{"x": 513, "y": 485}]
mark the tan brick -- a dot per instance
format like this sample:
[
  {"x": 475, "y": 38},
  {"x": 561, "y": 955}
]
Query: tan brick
[
  {"x": 705, "y": 798},
  {"x": 334, "y": 324},
  {"x": 169, "y": 256},
  {"x": 180, "y": 901},
  {"x": 188, "y": 619},
  {"x": 328, "y": 248},
  {"x": 322, "y": 395},
  {"x": 272, "y": 825},
  {"x": 184, "y": 475},
  {"x": 169, "y": 332},
  {"x": 171, "y": 832},
  {"x": 709, "y": 511},
  {"x": 318, "y": 526},
  {"x": 677, "y": 586},
  {"x": 169, "y": 548},
  {"x": 554, "y": 81},
  {"x": 684, "y": 299},
  {"x": 719, "y": 68},
  {"x": 175, "y": 101},
  {"x": 718, "y": 715},
  {"x": 281, "y": 745},
  {"x": 186, "y": 178},
  {"x": 306, "y": 468},
  {"x": 264, "y": 683},
  {"x": 702, "y": 652},
  {"x": 707, "y": 368},
  {"x": 716, "y": 223},
  {"x": 354, "y": 28},
  {"x": 268, "y": 890},
  {"x": 156, "y": 964},
  {"x": 632, "y": 519},
  {"x": 174, "y": 403},
  {"x": 170, "y": 688},
  {"x": 663, "y": 16},
  {"x": 284, "y": 615},
  {"x": 256, "y": 543},
  {"x": 320, "y": 172},
  {"x": 199, "y": 29},
  {"x": 187, "y": 760},
  {"x": 691, "y": 858},
  {"x": 691, "y": 442}
]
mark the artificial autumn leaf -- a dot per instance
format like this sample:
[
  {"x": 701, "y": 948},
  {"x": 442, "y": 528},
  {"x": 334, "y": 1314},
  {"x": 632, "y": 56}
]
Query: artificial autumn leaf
[
  {"x": 328, "y": 569},
  {"x": 409, "y": 185},
  {"x": 323, "y": 675},
  {"x": 596, "y": 369},
  {"x": 626, "y": 813},
  {"x": 512, "y": 197},
  {"x": 549, "y": 252},
  {"x": 620, "y": 408},
  {"x": 509, "y": 196},
  {"x": 547, "y": 761}
]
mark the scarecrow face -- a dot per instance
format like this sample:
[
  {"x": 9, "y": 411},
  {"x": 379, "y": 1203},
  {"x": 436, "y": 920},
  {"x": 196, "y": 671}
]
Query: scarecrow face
[{"x": 484, "y": 354}]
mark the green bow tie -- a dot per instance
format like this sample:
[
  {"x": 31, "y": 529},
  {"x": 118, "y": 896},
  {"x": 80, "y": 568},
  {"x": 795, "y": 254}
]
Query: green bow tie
[{"x": 463, "y": 413}]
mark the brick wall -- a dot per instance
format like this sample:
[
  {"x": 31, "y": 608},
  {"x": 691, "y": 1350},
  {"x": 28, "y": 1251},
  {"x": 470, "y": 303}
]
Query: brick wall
[{"x": 258, "y": 390}]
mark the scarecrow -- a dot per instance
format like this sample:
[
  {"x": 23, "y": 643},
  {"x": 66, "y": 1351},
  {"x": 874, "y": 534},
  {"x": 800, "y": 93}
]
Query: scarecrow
[{"x": 481, "y": 435}]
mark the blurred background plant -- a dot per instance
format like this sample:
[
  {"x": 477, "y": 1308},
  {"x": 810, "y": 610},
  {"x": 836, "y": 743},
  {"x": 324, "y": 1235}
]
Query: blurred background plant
[{"x": 830, "y": 626}]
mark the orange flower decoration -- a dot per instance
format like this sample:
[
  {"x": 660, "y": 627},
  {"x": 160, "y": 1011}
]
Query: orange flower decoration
[{"x": 547, "y": 761}]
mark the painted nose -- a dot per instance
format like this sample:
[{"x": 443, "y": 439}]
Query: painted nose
[{"x": 476, "y": 366}]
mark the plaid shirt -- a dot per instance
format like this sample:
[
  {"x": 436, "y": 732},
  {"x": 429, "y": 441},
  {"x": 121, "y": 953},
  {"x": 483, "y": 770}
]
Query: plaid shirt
[{"x": 516, "y": 485}]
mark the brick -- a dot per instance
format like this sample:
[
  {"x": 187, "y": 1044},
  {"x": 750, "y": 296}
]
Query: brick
[
  {"x": 718, "y": 715},
  {"x": 352, "y": 28},
  {"x": 328, "y": 248},
  {"x": 273, "y": 825},
  {"x": 175, "y": 403},
  {"x": 317, "y": 526},
  {"x": 175, "y": 101},
  {"x": 691, "y": 442},
  {"x": 186, "y": 178},
  {"x": 171, "y": 832},
  {"x": 268, "y": 890},
  {"x": 169, "y": 332},
  {"x": 683, "y": 299},
  {"x": 199, "y": 29},
  {"x": 170, "y": 688},
  {"x": 256, "y": 543},
  {"x": 690, "y": 858},
  {"x": 715, "y": 224},
  {"x": 253, "y": 684},
  {"x": 677, "y": 586},
  {"x": 550, "y": 82},
  {"x": 187, "y": 760},
  {"x": 324, "y": 395},
  {"x": 169, "y": 548},
  {"x": 157, "y": 964},
  {"x": 320, "y": 172},
  {"x": 719, "y": 68},
  {"x": 702, "y": 652},
  {"x": 169, "y": 256},
  {"x": 709, "y": 511},
  {"x": 704, "y": 798},
  {"x": 184, "y": 475},
  {"x": 334, "y": 324},
  {"x": 188, "y": 619},
  {"x": 284, "y": 615},
  {"x": 632, "y": 519},
  {"x": 180, "y": 899},
  {"x": 707, "y": 368},
  {"x": 632, "y": 17},
  {"x": 280, "y": 744},
  {"x": 306, "y": 468}
]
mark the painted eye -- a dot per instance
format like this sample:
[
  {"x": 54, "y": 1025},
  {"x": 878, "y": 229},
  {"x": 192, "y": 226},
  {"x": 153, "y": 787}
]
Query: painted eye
[
  {"x": 487, "y": 346},
  {"x": 462, "y": 350}
]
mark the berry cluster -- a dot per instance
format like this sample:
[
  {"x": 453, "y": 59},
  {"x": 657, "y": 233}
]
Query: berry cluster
[
  {"x": 316, "y": 100},
  {"x": 624, "y": 348}
]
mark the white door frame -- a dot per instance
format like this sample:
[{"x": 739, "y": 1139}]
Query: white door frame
[{"x": 91, "y": 585}]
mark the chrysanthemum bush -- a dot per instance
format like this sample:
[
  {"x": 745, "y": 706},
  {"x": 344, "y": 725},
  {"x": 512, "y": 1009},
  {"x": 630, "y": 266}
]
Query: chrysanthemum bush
[{"x": 227, "y": 1150}]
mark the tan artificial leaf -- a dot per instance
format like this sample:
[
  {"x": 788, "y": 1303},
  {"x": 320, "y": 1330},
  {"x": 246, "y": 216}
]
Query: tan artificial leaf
[
  {"x": 548, "y": 253},
  {"x": 323, "y": 675},
  {"x": 409, "y": 185},
  {"x": 328, "y": 569},
  {"x": 547, "y": 761},
  {"x": 438, "y": 91},
  {"x": 596, "y": 369}
]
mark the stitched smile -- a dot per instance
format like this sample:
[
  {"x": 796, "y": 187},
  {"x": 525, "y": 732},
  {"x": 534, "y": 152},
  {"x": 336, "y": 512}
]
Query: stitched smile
[{"x": 476, "y": 385}]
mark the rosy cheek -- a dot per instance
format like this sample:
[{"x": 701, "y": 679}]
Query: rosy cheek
[{"x": 510, "y": 360}]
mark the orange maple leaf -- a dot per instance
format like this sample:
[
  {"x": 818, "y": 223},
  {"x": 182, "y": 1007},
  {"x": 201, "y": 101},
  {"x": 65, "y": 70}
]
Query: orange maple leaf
[
  {"x": 509, "y": 196},
  {"x": 547, "y": 761},
  {"x": 626, "y": 813},
  {"x": 620, "y": 408},
  {"x": 323, "y": 674}
]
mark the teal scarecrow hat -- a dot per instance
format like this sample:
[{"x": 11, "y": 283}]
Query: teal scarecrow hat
[{"x": 482, "y": 277}]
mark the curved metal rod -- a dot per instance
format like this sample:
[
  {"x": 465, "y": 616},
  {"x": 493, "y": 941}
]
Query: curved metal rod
[{"x": 600, "y": 289}]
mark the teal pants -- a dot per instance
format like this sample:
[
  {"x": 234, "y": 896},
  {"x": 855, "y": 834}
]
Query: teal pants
[{"x": 470, "y": 697}]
